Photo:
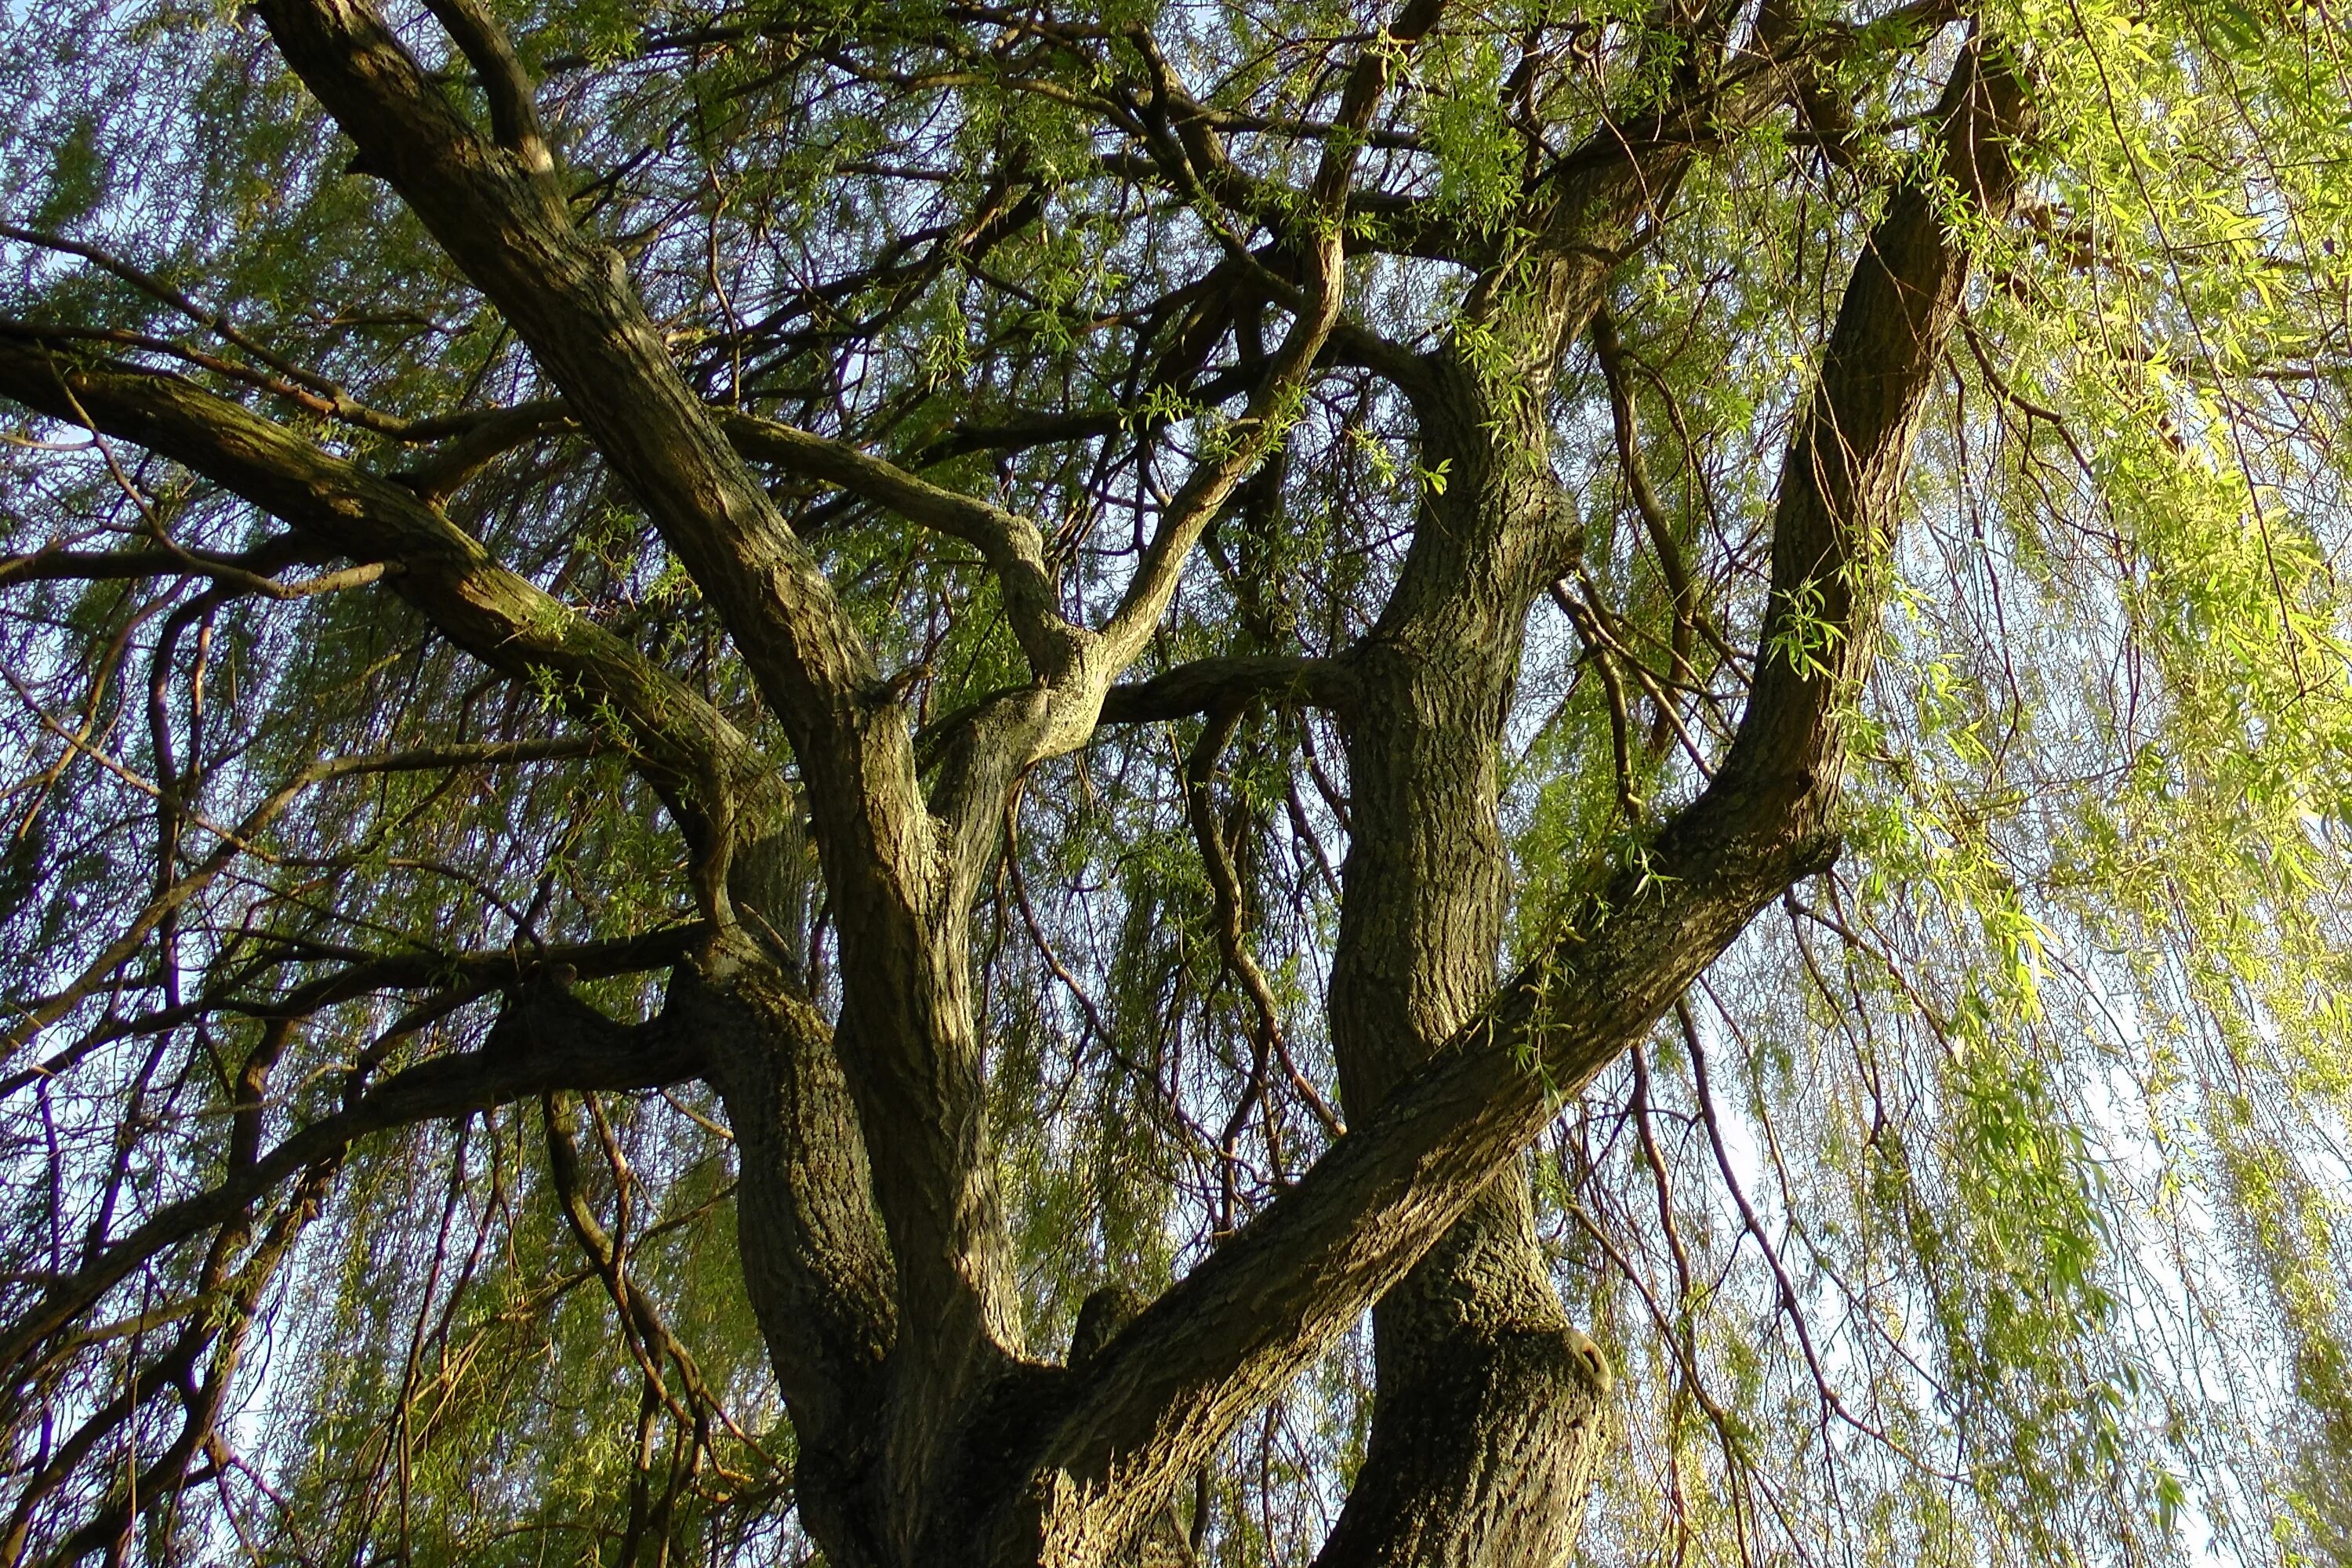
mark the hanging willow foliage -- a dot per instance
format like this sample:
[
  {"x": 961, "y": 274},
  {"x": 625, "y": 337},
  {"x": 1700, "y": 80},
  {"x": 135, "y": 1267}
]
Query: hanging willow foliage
[{"x": 1262, "y": 783}]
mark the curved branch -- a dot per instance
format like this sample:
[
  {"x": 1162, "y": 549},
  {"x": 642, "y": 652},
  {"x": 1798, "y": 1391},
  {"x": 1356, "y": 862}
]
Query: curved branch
[
  {"x": 1165, "y": 1390},
  {"x": 690, "y": 751},
  {"x": 1013, "y": 545}
]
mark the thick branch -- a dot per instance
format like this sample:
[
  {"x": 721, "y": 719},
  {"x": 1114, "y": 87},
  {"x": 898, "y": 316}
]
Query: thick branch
[
  {"x": 1841, "y": 483},
  {"x": 514, "y": 113},
  {"x": 570, "y": 300},
  {"x": 689, "y": 749},
  {"x": 1196, "y": 687},
  {"x": 1164, "y": 1392},
  {"x": 816, "y": 1264}
]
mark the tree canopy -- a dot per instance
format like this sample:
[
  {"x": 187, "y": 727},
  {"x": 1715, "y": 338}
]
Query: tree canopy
[{"x": 1255, "y": 781}]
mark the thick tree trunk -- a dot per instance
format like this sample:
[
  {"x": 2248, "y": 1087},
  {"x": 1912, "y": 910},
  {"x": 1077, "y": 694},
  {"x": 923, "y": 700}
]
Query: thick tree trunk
[
  {"x": 872, "y": 1247},
  {"x": 816, "y": 1266},
  {"x": 1487, "y": 1404},
  {"x": 1490, "y": 1409}
]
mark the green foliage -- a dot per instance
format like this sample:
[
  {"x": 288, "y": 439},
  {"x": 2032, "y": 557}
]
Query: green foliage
[{"x": 1996, "y": 1212}]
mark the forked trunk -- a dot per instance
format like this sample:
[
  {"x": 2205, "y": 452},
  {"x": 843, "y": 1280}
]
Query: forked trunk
[
  {"x": 1488, "y": 1404},
  {"x": 1491, "y": 1413}
]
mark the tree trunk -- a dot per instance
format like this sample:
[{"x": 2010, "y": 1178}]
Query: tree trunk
[
  {"x": 1487, "y": 1404},
  {"x": 1489, "y": 1414},
  {"x": 873, "y": 1250}
]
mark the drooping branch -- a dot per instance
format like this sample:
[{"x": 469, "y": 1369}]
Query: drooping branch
[
  {"x": 231, "y": 1300},
  {"x": 1681, "y": 591},
  {"x": 308, "y": 389},
  {"x": 690, "y": 751},
  {"x": 550, "y": 1042},
  {"x": 37, "y": 1014},
  {"x": 1269, "y": 1041},
  {"x": 456, "y": 978},
  {"x": 650, "y": 1338},
  {"x": 727, "y": 794}
]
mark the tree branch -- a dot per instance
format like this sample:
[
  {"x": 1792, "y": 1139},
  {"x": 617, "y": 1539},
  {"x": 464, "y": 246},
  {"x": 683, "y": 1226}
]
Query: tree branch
[
  {"x": 1013, "y": 545},
  {"x": 514, "y": 113},
  {"x": 1203, "y": 684},
  {"x": 570, "y": 300},
  {"x": 700, "y": 761},
  {"x": 1164, "y": 1393},
  {"x": 1265, "y": 420},
  {"x": 551, "y": 1043}
]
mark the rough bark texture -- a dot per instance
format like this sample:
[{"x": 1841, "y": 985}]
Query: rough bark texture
[
  {"x": 873, "y": 1249},
  {"x": 1486, "y": 1415},
  {"x": 1490, "y": 1440}
]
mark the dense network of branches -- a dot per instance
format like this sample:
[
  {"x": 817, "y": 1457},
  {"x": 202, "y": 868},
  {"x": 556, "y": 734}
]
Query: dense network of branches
[{"x": 629, "y": 624}]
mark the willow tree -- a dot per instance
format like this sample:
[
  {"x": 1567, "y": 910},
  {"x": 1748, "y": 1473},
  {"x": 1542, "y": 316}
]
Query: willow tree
[{"x": 942, "y": 783}]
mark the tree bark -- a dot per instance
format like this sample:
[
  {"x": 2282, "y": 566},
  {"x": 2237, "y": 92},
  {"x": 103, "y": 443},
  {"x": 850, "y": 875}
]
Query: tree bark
[
  {"x": 1486, "y": 1401},
  {"x": 872, "y": 1248}
]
